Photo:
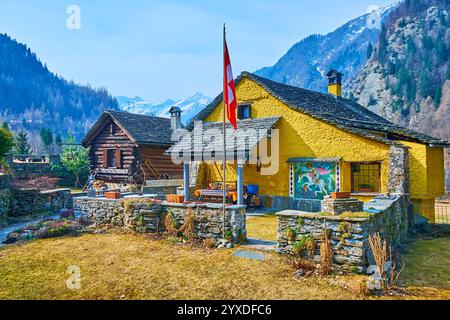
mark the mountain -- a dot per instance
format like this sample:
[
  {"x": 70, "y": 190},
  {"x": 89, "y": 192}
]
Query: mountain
[
  {"x": 407, "y": 78},
  {"x": 32, "y": 97},
  {"x": 410, "y": 63},
  {"x": 345, "y": 49},
  {"x": 190, "y": 106}
]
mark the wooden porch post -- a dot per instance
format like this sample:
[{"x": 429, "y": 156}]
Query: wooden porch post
[
  {"x": 186, "y": 180},
  {"x": 240, "y": 183}
]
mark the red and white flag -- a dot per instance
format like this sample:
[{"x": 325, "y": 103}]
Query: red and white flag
[{"x": 229, "y": 90}]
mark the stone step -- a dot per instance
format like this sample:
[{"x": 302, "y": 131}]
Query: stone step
[{"x": 260, "y": 245}]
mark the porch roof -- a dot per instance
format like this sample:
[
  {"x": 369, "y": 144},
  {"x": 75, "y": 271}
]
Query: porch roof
[{"x": 209, "y": 144}]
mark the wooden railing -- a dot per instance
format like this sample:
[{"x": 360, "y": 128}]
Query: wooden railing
[
  {"x": 154, "y": 172},
  {"x": 91, "y": 173}
]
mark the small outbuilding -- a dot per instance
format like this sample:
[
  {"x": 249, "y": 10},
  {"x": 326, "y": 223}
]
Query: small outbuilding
[{"x": 129, "y": 148}]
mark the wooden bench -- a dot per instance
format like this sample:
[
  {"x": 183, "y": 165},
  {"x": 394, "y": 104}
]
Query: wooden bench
[
  {"x": 215, "y": 196},
  {"x": 211, "y": 195}
]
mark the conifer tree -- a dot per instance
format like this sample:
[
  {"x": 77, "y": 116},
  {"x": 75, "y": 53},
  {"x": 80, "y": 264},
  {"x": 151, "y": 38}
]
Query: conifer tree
[{"x": 22, "y": 147}]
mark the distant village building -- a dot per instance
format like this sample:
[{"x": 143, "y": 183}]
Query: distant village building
[
  {"x": 327, "y": 144},
  {"x": 129, "y": 148}
]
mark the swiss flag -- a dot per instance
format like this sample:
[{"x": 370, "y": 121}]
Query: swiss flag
[{"x": 229, "y": 90}]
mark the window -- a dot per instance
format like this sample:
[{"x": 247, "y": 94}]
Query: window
[
  {"x": 111, "y": 158},
  {"x": 244, "y": 111},
  {"x": 366, "y": 177},
  {"x": 112, "y": 129}
]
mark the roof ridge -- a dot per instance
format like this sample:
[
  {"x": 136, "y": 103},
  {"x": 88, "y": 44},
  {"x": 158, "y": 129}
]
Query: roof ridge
[
  {"x": 337, "y": 111},
  {"x": 136, "y": 114}
]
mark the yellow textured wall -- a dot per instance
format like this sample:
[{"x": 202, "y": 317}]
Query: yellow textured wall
[
  {"x": 335, "y": 89},
  {"x": 417, "y": 168},
  {"x": 425, "y": 207},
  {"x": 303, "y": 136},
  {"x": 435, "y": 171},
  {"x": 426, "y": 170}
]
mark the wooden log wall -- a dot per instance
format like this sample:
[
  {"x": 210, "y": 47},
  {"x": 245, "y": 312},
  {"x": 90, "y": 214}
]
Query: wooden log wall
[
  {"x": 161, "y": 162},
  {"x": 130, "y": 158},
  {"x": 112, "y": 136}
]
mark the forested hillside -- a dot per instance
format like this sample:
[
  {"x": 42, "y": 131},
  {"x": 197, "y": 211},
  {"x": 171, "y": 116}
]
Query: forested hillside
[
  {"x": 407, "y": 78},
  {"x": 32, "y": 97}
]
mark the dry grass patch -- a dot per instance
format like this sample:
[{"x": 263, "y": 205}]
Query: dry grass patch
[
  {"x": 128, "y": 266},
  {"x": 264, "y": 227},
  {"x": 428, "y": 264}
]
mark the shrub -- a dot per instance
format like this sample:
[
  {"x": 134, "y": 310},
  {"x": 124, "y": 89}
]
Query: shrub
[
  {"x": 209, "y": 243},
  {"x": 229, "y": 236},
  {"x": 52, "y": 229},
  {"x": 170, "y": 224},
  {"x": 291, "y": 234},
  {"x": 298, "y": 248},
  {"x": 185, "y": 231},
  {"x": 240, "y": 236},
  {"x": 36, "y": 183},
  {"x": 189, "y": 224},
  {"x": 326, "y": 252},
  {"x": 384, "y": 260},
  {"x": 303, "y": 264},
  {"x": 307, "y": 243}
]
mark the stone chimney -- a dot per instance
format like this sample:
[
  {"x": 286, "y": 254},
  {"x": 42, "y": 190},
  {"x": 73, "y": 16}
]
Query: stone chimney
[
  {"x": 335, "y": 83},
  {"x": 175, "y": 116}
]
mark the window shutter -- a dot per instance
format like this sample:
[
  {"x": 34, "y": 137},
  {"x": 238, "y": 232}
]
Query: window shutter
[
  {"x": 105, "y": 158},
  {"x": 240, "y": 113},
  {"x": 118, "y": 158}
]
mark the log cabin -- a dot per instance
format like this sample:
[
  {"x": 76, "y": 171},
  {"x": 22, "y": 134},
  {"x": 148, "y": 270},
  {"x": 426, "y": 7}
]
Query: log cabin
[{"x": 127, "y": 148}]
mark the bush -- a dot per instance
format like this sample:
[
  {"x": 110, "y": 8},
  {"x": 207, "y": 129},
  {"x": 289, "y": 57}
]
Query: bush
[
  {"x": 306, "y": 244},
  {"x": 209, "y": 243},
  {"x": 291, "y": 234},
  {"x": 36, "y": 183},
  {"x": 51, "y": 229}
]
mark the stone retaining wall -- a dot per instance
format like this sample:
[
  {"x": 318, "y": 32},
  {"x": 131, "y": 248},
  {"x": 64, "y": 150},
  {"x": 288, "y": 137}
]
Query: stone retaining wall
[
  {"x": 349, "y": 233},
  {"x": 29, "y": 202},
  {"x": 336, "y": 207},
  {"x": 5, "y": 201},
  {"x": 289, "y": 203},
  {"x": 209, "y": 220},
  {"x": 5, "y": 195},
  {"x": 23, "y": 170},
  {"x": 146, "y": 216}
]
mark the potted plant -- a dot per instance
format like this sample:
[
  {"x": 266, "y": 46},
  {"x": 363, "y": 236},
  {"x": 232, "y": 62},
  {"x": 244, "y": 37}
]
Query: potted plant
[
  {"x": 112, "y": 194},
  {"x": 178, "y": 199}
]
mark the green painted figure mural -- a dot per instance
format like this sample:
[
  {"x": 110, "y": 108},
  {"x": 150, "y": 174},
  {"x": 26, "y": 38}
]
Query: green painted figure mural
[{"x": 314, "y": 180}]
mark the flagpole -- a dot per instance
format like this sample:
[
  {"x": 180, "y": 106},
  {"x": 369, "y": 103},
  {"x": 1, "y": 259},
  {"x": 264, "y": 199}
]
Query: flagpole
[{"x": 224, "y": 186}]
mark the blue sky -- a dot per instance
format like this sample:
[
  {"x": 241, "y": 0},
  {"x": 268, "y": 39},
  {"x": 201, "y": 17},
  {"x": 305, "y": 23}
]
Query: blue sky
[{"x": 168, "y": 48}]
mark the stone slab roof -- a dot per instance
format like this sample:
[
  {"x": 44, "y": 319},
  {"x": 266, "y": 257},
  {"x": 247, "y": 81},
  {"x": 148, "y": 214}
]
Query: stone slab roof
[
  {"x": 250, "y": 132},
  {"x": 141, "y": 129},
  {"x": 342, "y": 113}
]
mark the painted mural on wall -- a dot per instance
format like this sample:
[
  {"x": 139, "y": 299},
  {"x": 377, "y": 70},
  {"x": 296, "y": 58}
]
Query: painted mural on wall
[{"x": 314, "y": 180}]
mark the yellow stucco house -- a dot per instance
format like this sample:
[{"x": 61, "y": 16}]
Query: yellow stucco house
[{"x": 326, "y": 144}]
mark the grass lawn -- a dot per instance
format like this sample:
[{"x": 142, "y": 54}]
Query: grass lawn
[
  {"x": 428, "y": 264},
  {"x": 264, "y": 227},
  {"x": 129, "y": 266}
]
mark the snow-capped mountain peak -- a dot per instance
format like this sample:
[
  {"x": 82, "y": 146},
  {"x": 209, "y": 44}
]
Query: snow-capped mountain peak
[{"x": 345, "y": 49}]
